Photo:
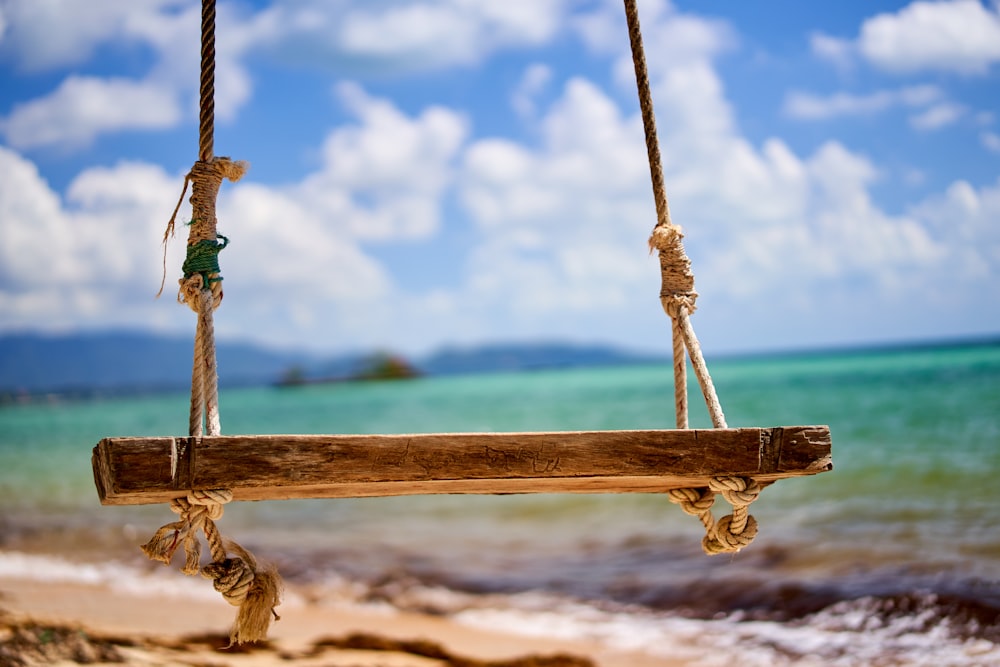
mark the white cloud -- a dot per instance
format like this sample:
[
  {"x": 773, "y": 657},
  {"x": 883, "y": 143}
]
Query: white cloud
[
  {"x": 94, "y": 258},
  {"x": 175, "y": 37},
  {"x": 591, "y": 154},
  {"x": 557, "y": 245},
  {"x": 960, "y": 36},
  {"x": 964, "y": 219},
  {"x": 669, "y": 36},
  {"x": 91, "y": 260},
  {"x": 407, "y": 35},
  {"x": 285, "y": 251},
  {"x": 29, "y": 212},
  {"x": 937, "y": 116},
  {"x": 295, "y": 270},
  {"x": 828, "y": 234},
  {"x": 838, "y": 51},
  {"x": 983, "y": 118},
  {"x": 991, "y": 140},
  {"x": 53, "y": 34},
  {"x": 398, "y": 36},
  {"x": 84, "y": 107},
  {"x": 935, "y": 111},
  {"x": 383, "y": 178},
  {"x": 295, "y": 266},
  {"x": 563, "y": 225},
  {"x": 807, "y": 106},
  {"x": 535, "y": 79}
]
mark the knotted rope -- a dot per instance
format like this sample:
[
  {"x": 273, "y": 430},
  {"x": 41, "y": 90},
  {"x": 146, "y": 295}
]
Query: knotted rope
[
  {"x": 678, "y": 296},
  {"x": 256, "y": 591},
  {"x": 733, "y": 531}
]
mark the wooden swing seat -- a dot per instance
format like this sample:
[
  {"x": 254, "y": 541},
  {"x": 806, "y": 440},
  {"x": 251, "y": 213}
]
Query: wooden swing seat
[{"x": 137, "y": 471}]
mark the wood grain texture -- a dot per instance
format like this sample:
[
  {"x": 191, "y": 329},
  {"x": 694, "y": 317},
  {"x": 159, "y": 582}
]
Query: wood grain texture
[{"x": 135, "y": 471}]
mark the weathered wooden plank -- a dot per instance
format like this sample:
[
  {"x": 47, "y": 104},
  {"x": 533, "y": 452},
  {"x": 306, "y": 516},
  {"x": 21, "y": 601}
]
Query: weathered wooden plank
[{"x": 135, "y": 471}]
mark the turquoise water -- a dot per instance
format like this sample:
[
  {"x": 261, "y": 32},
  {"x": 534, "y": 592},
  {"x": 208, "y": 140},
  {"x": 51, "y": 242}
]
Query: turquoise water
[{"x": 909, "y": 512}]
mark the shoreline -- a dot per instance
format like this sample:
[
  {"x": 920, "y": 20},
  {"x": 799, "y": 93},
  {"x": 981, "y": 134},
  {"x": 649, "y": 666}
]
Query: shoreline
[{"x": 97, "y": 622}]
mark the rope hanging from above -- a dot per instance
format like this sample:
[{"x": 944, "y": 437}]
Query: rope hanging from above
[
  {"x": 254, "y": 590},
  {"x": 678, "y": 296}
]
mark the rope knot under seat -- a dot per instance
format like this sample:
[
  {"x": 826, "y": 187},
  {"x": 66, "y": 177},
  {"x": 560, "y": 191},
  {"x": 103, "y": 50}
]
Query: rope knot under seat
[
  {"x": 732, "y": 532},
  {"x": 693, "y": 501},
  {"x": 256, "y": 591},
  {"x": 232, "y": 577},
  {"x": 738, "y": 491}
]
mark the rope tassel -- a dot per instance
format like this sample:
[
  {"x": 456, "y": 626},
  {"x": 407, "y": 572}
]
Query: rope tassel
[{"x": 255, "y": 590}]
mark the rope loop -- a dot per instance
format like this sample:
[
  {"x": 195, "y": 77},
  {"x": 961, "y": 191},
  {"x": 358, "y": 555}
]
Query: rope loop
[
  {"x": 732, "y": 532},
  {"x": 232, "y": 577},
  {"x": 210, "y": 496},
  {"x": 180, "y": 506},
  {"x": 738, "y": 491},
  {"x": 734, "y": 535},
  {"x": 693, "y": 502},
  {"x": 712, "y": 546}
]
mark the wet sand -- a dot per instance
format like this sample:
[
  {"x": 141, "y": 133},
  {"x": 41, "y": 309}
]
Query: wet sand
[{"x": 68, "y": 623}]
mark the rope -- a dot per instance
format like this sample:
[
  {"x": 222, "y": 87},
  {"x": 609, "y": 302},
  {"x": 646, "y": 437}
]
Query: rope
[
  {"x": 201, "y": 284},
  {"x": 204, "y": 413},
  {"x": 206, "y": 124},
  {"x": 678, "y": 296},
  {"x": 700, "y": 368},
  {"x": 255, "y": 590},
  {"x": 680, "y": 375},
  {"x": 677, "y": 293},
  {"x": 648, "y": 117}
]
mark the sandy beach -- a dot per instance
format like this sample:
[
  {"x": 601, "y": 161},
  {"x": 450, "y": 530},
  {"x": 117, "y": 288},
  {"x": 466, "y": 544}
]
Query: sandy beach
[{"x": 70, "y": 623}]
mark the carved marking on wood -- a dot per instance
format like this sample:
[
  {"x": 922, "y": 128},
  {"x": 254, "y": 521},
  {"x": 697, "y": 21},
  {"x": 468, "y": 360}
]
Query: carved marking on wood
[{"x": 496, "y": 458}]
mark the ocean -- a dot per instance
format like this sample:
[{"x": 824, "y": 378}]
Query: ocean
[{"x": 893, "y": 558}]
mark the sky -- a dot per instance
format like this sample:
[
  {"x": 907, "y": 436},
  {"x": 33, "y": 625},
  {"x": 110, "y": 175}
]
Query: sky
[{"x": 430, "y": 173}]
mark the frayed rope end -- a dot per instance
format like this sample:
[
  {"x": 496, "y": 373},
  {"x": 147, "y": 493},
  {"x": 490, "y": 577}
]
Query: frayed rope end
[{"x": 257, "y": 610}]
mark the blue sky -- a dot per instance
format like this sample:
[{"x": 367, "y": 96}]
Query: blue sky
[{"x": 436, "y": 172}]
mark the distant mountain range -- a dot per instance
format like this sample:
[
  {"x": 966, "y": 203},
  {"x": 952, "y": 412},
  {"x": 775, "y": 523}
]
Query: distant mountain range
[{"x": 118, "y": 361}]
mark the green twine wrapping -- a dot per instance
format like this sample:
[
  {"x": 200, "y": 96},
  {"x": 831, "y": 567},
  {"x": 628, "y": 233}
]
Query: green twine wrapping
[{"x": 203, "y": 258}]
